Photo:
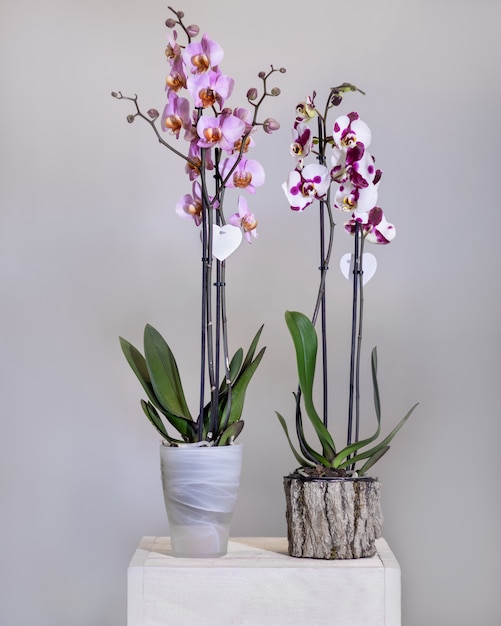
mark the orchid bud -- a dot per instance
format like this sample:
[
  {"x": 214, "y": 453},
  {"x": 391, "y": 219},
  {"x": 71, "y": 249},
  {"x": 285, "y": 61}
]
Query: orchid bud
[
  {"x": 347, "y": 87},
  {"x": 180, "y": 14},
  {"x": 336, "y": 99},
  {"x": 282, "y": 70},
  {"x": 262, "y": 74},
  {"x": 252, "y": 93},
  {"x": 131, "y": 118},
  {"x": 270, "y": 125},
  {"x": 170, "y": 23},
  {"x": 275, "y": 91},
  {"x": 153, "y": 113},
  {"x": 193, "y": 30}
]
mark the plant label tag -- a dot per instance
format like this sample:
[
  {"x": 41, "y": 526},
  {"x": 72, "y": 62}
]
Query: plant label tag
[
  {"x": 369, "y": 265},
  {"x": 225, "y": 241}
]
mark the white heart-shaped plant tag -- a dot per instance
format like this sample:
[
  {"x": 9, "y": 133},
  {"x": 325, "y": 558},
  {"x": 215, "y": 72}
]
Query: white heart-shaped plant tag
[
  {"x": 369, "y": 265},
  {"x": 225, "y": 241}
]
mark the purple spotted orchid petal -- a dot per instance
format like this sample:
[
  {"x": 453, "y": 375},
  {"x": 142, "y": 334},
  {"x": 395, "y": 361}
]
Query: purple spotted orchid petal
[
  {"x": 350, "y": 198},
  {"x": 381, "y": 231},
  {"x": 363, "y": 170},
  {"x": 301, "y": 141},
  {"x": 339, "y": 171},
  {"x": 305, "y": 111},
  {"x": 354, "y": 164},
  {"x": 375, "y": 226},
  {"x": 305, "y": 185},
  {"x": 349, "y": 130},
  {"x": 355, "y": 153}
]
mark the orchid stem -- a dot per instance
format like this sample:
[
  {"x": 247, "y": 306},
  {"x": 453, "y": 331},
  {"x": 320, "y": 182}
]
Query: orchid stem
[
  {"x": 323, "y": 314},
  {"x": 359, "y": 337},
  {"x": 354, "y": 325},
  {"x": 205, "y": 263},
  {"x": 323, "y": 272},
  {"x": 224, "y": 323}
]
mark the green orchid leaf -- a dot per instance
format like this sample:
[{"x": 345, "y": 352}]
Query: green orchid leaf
[
  {"x": 235, "y": 365},
  {"x": 302, "y": 462},
  {"x": 349, "y": 450},
  {"x": 239, "y": 389},
  {"x": 377, "y": 401},
  {"x": 140, "y": 369},
  {"x": 152, "y": 414},
  {"x": 305, "y": 341},
  {"x": 231, "y": 402},
  {"x": 138, "y": 364},
  {"x": 231, "y": 406},
  {"x": 345, "y": 453},
  {"x": 231, "y": 433},
  {"x": 164, "y": 374},
  {"x": 186, "y": 428},
  {"x": 310, "y": 454},
  {"x": 252, "y": 349},
  {"x": 206, "y": 416},
  {"x": 372, "y": 460},
  {"x": 382, "y": 444}
]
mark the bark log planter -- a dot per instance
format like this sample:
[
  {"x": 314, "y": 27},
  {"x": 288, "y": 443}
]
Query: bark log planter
[{"x": 332, "y": 518}]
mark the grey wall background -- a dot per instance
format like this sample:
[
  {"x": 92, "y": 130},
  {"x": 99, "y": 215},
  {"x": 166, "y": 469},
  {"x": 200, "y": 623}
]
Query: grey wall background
[{"x": 91, "y": 249}]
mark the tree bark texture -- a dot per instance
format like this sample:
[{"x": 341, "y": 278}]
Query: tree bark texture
[{"x": 333, "y": 519}]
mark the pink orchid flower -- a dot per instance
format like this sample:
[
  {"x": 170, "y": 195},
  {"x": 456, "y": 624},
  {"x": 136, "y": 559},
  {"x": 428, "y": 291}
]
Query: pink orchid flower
[
  {"x": 248, "y": 174},
  {"x": 245, "y": 219},
  {"x": 201, "y": 56},
  {"x": 176, "y": 114},
  {"x": 210, "y": 88},
  {"x": 189, "y": 207},
  {"x": 247, "y": 118},
  {"x": 222, "y": 131},
  {"x": 195, "y": 156},
  {"x": 176, "y": 79}
]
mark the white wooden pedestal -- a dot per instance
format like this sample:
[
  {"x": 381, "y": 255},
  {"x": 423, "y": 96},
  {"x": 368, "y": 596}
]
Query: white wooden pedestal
[{"x": 258, "y": 584}]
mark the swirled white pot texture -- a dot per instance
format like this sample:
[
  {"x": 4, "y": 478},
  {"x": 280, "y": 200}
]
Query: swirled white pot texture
[{"x": 200, "y": 486}]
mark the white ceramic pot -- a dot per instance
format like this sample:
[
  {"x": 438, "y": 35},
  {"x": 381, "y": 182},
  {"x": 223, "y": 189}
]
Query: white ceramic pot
[{"x": 200, "y": 487}]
